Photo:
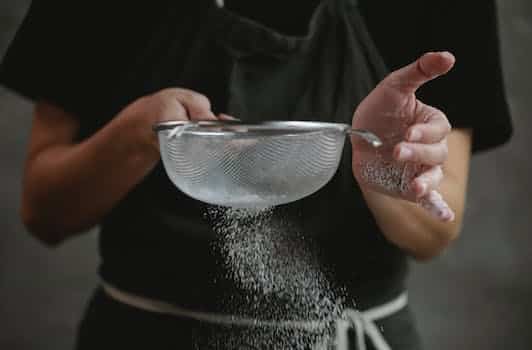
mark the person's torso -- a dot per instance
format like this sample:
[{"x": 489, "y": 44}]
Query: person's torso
[{"x": 160, "y": 243}]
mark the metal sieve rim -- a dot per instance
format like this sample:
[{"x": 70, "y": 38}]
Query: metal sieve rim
[{"x": 241, "y": 128}]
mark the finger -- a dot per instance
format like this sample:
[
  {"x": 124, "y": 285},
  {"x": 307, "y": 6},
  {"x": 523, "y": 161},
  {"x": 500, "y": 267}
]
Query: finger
[
  {"x": 427, "y": 154},
  {"x": 223, "y": 116},
  {"x": 198, "y": 106},
  {"x": 176, "y": 111},
  {"x": 434, "y": 203},
  {"x": 427, "y": 181},
  {"x": 429, "y": 66},
  {"x": 432, "y": 127}
]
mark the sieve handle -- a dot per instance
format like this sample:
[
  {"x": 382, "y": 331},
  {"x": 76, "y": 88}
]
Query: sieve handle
[{"x": 367, "y": 136}]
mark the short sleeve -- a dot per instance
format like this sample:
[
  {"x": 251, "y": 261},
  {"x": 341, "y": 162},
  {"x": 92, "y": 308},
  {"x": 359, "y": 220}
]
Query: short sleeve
[
  {"x": 472, "y": 94},
  {"x": 74, "y": 53},
  {"x": 44, "y": 60}
]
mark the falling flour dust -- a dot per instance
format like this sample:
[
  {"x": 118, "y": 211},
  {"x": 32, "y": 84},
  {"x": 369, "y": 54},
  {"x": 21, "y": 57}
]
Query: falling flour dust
[{"x": 271, "y": 263}]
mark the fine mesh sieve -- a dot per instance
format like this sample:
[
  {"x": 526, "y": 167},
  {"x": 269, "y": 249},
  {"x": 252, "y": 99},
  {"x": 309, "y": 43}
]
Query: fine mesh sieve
[{"x": 256, "y": 165}]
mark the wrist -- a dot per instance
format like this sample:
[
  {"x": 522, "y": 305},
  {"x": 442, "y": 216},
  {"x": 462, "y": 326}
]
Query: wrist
[{"x": 137, "y": 133}]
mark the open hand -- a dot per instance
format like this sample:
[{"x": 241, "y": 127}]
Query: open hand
[{"x": 409, "y": 163}]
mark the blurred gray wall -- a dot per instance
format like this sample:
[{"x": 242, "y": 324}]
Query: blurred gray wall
[{"x": 478, "y": 295}]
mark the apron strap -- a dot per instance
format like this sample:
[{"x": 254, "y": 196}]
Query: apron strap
[
  {"x": 362, "y": 322},
  {"x": 162, "y": 307}
]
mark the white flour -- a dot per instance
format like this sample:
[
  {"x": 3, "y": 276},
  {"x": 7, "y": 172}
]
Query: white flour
[
  {"x": 268, "y": 260},
  {"x": 436, "y": 206},
  {"x": 396, "y": 178},
  {"x": 391, "y": 176}
]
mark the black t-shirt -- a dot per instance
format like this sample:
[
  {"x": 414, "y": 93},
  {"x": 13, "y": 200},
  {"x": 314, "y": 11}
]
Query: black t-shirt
[
  {"x": 93, "y": 59},
  {"x": 472, "y": 94},
  {"x": 73, "y": 53}
]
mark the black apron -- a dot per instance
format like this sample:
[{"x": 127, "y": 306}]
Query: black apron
[{"x": 254, "y": 73}]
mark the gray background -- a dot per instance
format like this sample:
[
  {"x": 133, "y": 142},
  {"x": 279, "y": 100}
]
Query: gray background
[{"x": 478, "y": 295}]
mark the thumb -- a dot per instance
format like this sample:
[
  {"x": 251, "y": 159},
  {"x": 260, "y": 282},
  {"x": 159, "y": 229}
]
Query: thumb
[{"x": 429, "y": 66}]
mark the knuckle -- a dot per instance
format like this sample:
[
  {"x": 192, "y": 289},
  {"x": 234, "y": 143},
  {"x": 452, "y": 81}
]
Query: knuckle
[
  {"x": 186, "y": 96},
  {"x": 439, "y": 171},
  {"x": 418, "y": 153},
  {"x": 441, "y": 117},
  {"x": 445, "y": 126},
  {"x": 432, "y": 114},
  {"x": 179, "y": 109},
  {"x": 435, "y": 115},
  {"x": 444, "y": 150},
  {"x": 448, "y": 126},
  {"x": 199, "y": 99},
  {"x": 438, "y": 174},
  {"x": 438, "y": 112},
  {"x": 167, "y": 92}
]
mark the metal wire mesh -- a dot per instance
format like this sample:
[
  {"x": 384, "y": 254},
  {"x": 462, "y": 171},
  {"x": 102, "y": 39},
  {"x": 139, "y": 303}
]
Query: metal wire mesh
[{"x": 256, "y": 166}]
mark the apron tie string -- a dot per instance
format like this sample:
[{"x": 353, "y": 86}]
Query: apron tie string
[{"x": 363, "y": 323}]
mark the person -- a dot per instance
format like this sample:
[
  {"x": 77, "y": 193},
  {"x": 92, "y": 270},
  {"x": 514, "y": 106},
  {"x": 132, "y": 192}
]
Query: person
[{"x": 102, "y": 75}]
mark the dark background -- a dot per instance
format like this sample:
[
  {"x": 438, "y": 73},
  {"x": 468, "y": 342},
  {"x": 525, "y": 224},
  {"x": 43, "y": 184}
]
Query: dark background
[{"x": 478, "y": 295}]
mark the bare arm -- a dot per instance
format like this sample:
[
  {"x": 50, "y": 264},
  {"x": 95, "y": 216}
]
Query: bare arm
[
  {"x": 422, "y": 161},
  {"x": 68, "y": 187},
  {"x": 412, "y": 228}
]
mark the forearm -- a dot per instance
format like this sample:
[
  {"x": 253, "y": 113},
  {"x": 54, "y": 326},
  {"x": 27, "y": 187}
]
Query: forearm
[
  {"x": 68, "y": 188},
  {"x": 412, "y": 228}
]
